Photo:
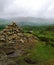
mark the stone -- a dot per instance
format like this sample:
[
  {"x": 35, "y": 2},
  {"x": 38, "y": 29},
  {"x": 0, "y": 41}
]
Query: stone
[{"x": 14, "y": 38}]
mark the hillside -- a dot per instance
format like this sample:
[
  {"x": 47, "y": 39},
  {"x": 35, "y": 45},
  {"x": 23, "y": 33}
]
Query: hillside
[
  {"x": 4, "y": 21},
  {"x": 32, "y": 21},
  {"x": 38, "y": 48}
]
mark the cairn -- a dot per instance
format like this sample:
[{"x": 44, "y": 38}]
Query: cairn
[{"x": 12, "y": 38}]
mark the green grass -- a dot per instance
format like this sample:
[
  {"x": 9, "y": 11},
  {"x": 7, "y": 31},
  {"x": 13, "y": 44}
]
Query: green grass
[
  {"x": 41, "y": 53},
  {"x": 2, "y": 27}
]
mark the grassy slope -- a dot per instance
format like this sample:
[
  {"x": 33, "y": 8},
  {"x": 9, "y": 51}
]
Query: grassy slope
[{"x": 42, "y": 54}]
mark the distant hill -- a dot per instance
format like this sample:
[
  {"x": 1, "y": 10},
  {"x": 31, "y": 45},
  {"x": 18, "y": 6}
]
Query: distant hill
[
  {"x": 28, "y": 21},
  {"x": 3, "y": 21},
  {"x": 32, "y": 21}
]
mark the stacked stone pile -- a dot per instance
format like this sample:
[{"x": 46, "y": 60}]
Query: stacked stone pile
[
  {"x": 13, "y": 43},
  {"x": 13, "y": 38}
]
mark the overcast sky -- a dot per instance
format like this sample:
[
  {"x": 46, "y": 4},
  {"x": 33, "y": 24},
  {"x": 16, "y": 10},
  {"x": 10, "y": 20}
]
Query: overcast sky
[{"x": 27, "y": 8}]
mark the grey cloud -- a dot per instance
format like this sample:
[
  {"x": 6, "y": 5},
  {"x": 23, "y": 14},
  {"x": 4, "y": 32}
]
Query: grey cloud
[
  {"x": 44, "y": 9},
  {"x": 9, "y": 9},
  {"x": 2, "y": 4}
]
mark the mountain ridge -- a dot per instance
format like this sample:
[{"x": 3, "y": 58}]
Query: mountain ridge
[{"x": 28, "y": 21}]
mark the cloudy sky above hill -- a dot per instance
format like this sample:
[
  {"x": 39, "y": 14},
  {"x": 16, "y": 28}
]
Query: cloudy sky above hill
[{"x": 27, "y": 8}]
